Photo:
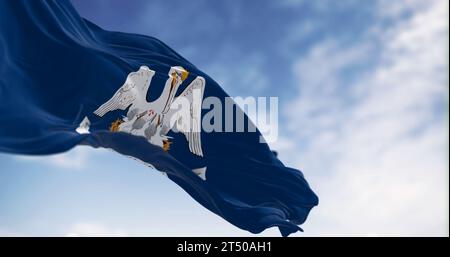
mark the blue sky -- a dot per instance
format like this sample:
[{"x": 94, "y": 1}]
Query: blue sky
[{"x": 363, "y": 94}]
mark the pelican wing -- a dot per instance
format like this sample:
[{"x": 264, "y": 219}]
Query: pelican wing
[
  {"x": 185, "y": 115},
  {"x": 134, "y": 88}
]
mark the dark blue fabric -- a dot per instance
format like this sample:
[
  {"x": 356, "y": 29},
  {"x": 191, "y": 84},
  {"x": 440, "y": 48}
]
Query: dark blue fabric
[{"x": 56, "y": 68}]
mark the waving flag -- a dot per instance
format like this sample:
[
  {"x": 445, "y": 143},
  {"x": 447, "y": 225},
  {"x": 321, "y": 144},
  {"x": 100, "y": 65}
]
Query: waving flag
[{"x": 65, "y": 82}]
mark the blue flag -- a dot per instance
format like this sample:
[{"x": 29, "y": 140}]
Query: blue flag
[{"x": 65, "y": 81}]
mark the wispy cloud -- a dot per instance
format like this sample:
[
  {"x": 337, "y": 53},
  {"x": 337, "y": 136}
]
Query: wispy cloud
[
  {"x": 239, "y": 72},
  {"x": 371, "y": 119}
]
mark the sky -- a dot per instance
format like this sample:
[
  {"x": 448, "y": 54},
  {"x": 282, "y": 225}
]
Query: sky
[{"x": 363, "y": 112}]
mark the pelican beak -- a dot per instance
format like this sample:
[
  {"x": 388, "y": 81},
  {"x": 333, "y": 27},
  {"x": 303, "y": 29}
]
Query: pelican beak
[
  {"x": 184, "y": 74},
  {"x": 174, "y": 80},
  {"x": 180, "y": 72}
]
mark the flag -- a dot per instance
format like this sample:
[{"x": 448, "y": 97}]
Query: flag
[{"x": 65, "y": 82}]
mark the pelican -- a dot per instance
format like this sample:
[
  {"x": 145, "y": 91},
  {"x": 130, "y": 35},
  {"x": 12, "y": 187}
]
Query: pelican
[{"x": 153, "y": 120}]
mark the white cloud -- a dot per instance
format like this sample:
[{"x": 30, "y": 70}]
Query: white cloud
[
  {"x": 235, "y": 79},
  {"x": 375, "y": 145},
  {"x": 395, "y": 9},
  {"x": 83, "y": 229}
]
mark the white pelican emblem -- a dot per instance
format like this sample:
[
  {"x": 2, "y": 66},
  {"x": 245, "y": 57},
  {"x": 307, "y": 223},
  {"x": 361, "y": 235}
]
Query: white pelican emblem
[{"x": 153, "y": 120}]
